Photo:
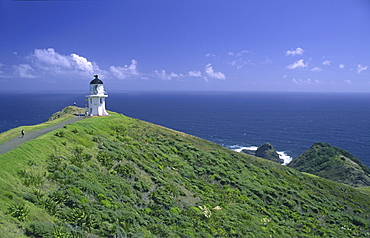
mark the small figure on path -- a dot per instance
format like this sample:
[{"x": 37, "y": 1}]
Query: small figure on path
[
  {"x": 22, "y": 133},
  {"x": 74, "y": 104}
]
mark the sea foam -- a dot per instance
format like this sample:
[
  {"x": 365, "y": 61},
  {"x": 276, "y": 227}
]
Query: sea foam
[
  {"x": 286, "y": 158},
  {"x": 282, "y": 154}
]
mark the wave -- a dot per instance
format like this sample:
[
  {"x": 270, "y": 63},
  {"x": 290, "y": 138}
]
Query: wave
[
  {"x": 282, "y": 154},
  {"x": 285, "y": 157}
]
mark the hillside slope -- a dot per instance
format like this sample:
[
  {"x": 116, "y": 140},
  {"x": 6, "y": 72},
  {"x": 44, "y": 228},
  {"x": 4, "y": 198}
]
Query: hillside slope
[
  {"x": 116, "y": 176},
  {"x": 333, "y": 163}
]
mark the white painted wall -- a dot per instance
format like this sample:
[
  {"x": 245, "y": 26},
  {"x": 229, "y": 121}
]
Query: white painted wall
[{"x": 96, "y": 100}]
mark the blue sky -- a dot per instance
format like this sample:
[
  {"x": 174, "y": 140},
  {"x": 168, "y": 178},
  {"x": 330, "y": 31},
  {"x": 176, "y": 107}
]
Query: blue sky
[{"x": 311, "y": 45}]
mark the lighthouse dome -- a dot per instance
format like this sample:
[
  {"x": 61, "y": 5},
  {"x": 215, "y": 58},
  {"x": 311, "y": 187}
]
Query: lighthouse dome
[{"x": 96, "y": 80}]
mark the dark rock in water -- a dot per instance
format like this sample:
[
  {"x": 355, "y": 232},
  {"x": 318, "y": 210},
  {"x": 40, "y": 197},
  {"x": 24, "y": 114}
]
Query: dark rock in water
[
  {"x": 267, "y": 151},
  {"x": 333, "y": 163}
]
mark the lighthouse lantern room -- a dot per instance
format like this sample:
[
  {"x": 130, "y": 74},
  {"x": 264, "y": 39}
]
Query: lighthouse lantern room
[{"x": 96, "y": 98}]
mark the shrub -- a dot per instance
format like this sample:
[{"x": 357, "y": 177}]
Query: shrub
[
  {"x": 119, "y": 130},
  {"x": 127, "y": 170},
  {"x": 39, "y": 229},
  {"x": 142, "y": 186},
  {"x": 90, "y": 132},
  {"x": 19, "y": 211},
  {"x": 9, "y": 195},
  {"x": 30, "y": 197},
  {"x": 105, "y": 159},
  {"x": 59, "y": 133},
  {"x": 30, "y": 179},
  {"x": 50, "y": 206},
  {"x": 163, "y": 197}
]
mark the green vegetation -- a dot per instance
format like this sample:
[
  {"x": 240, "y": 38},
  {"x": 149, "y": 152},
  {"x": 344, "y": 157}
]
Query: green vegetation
[
  {"x": 333, "y": 163},
  {"x": 116, "y": 176},
  {"x": 364, "y": 190},
  {"x": 63, "y": 115}
]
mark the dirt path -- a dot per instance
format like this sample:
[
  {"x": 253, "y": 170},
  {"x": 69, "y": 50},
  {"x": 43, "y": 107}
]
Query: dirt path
[{"x": 15, "y": 142}]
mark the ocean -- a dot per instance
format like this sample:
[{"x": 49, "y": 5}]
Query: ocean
[{"x": 291, "y": 122}]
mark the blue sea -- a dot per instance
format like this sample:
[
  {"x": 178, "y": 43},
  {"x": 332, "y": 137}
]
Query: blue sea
[{"x": 291, "y": 122}]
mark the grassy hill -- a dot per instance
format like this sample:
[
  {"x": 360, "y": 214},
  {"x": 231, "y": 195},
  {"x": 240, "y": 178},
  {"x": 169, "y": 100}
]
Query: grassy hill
[
  {"x": 333, "y": 163},
  {"x": 116, "y": 176}
]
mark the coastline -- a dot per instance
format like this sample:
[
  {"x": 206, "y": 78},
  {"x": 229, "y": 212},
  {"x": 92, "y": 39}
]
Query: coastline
[
  {"x": 282, "y": 154},
  {"x": 242, "y": 118}
]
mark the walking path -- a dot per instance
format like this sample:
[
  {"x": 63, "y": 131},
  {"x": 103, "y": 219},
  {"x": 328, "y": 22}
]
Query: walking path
[{"x": 15, "y": 142}]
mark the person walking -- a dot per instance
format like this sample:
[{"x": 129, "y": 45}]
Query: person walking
[{"x": 22, "y": 133}]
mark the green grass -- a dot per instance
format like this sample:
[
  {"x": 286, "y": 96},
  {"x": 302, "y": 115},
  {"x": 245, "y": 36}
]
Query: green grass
[
  {"x": 365, "y": 190},
  {"x": 333, "y": 163},
  {"x": 118, "y": 176},
  {"x": 56, "y": 118}
]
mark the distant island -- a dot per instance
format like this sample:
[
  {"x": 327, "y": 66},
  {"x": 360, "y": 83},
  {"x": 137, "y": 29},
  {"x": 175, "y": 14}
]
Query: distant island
[{"x": 116, "y": 176}]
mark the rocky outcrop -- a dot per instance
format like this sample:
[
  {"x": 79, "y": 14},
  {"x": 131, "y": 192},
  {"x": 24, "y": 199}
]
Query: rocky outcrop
[
  {"x": 265, "y": 151},
  {"x": 333, "y": 163},
  {"x": 68, "y": 110}
]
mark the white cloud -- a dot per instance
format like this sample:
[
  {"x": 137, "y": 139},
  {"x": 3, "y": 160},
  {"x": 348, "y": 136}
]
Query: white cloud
[
  {"x": 298, "y": 64},
  {"x": 361, "y": 68},
  {"x": 126, "y": 71},
  {"x": 6, "y": 74},
  {"x": 298, "y": 51},
  {"x": 162, "y": 74},
  {"x": 82, "y": 63},
  {"x": 306, "y": 81},
  {"x": 326, "y": 62},
  {"x": 316, "y": 69},
  {"x": 49, "y": 63},
  {"x": 24, "y": 71},
  {"x": 341, "y": 66},
  {"x": 210, "y": 55},
  {"x": 174, "y": 75},
  {"x": 48, "y": 57},
  {"x": 211, "y": 73},
  {"x": 238, "y": 54},
  {"x": 2, "y": 75},
  {"x": 242, "y": 58},
  {"x": 195, "y": 73},
  {"x": 240, "y": 63},
  {"x": 348, "y": 82}
]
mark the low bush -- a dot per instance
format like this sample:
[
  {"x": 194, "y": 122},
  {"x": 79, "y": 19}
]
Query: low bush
[{"x": 39, "y": 229}]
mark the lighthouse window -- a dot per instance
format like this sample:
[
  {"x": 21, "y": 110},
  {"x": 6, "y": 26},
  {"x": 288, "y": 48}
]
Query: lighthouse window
[
  {"x": 90, "y": 100},
  {"x": 101, "y": 100}
]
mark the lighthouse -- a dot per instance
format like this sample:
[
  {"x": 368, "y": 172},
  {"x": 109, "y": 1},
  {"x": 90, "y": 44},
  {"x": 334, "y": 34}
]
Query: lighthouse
[{"x": 96, "y": 98}]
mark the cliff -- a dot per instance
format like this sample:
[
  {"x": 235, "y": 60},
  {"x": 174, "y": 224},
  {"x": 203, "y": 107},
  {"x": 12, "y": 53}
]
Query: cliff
[
  {"x": 333, "y": 163},
  {"x": 116, "y": 176}
]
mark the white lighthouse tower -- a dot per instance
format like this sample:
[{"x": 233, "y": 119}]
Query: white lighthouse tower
[{"x": 96, "y": 98}]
